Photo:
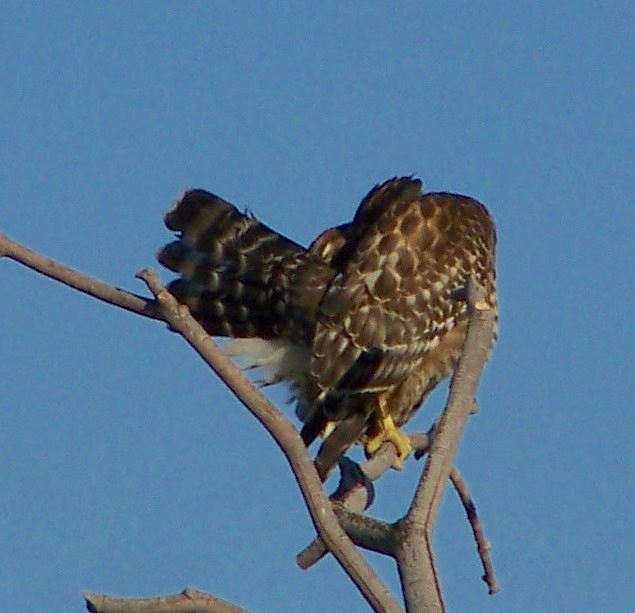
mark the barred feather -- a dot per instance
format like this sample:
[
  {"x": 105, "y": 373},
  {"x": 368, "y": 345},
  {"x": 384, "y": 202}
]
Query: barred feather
[
  {"x": 369, "y": 309},
  {"x": 239, "y": 277}
]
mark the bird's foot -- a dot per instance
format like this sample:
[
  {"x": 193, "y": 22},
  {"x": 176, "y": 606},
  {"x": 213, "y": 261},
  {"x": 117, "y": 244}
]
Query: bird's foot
[{"x": 385, "y": 431}]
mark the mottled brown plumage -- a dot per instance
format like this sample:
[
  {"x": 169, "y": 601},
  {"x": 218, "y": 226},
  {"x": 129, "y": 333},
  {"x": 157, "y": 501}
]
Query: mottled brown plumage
[{"x": 362, "y": 325}]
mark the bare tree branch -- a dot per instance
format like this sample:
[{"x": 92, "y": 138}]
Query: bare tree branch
[
  {"x": 281, "y": 429},
  {"x": 356, "y": 492},
  {"x": 285, "y": 436},
  {"x": 483, "y": 546},
  {"x": 189, "y": 600},
  {"x": 367, "y": 532},
  {"x": 419, "y": 575},
  {"x": 83, "y": 283},
  {"x": 409, "y": 540}
]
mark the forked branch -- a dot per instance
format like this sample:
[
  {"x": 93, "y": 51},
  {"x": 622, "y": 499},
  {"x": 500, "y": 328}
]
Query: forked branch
[
  {"x": 280, "y": 428},
  {"x": 409, "y": 540},
  {"x": 417, "y": 569},
  {"x": 285, "y": 436}
]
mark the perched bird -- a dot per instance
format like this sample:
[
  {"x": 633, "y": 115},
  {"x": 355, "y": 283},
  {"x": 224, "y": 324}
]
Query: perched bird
[{"x": 362, "y": 325}]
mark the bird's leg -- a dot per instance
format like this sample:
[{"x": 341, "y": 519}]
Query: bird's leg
[{"x": 384, "y": 429}]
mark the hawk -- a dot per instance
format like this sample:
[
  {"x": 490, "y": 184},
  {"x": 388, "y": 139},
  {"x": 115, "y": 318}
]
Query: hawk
[{"x": 362, "y": 325}]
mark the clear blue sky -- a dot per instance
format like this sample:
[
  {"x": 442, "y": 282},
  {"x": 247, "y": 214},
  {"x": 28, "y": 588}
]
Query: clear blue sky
[{"x": 126, "y": 468}]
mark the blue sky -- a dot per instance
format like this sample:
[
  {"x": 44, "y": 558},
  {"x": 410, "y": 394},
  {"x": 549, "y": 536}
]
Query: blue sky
[{"x": 127, "y": 468}]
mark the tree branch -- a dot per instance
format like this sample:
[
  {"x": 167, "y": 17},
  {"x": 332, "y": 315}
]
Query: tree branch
[
  {"x": 286, "y": 437},
  {"x": 483, "y": 546},
  {"x": 409, "y": 540},
  {"x": 419, "y": 575},
  {"x": 280, "y": 428},
  {"x": 189, "y": 600},
  {"x": 83, "y": 283},
  {"x": 356, "y": 493}
]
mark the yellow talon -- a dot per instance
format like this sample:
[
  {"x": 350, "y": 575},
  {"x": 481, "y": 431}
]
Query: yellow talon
[{"x": 383, "y": 430}]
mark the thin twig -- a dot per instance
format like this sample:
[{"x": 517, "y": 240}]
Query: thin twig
[
  {"x": 483, "y": 545},
  {"x": 81, "y": 282}
]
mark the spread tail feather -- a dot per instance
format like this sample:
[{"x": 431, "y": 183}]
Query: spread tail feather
[{"x": 238, "y": 276}]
